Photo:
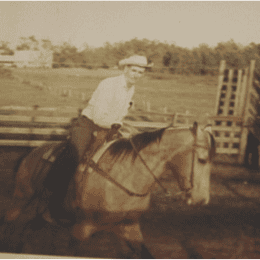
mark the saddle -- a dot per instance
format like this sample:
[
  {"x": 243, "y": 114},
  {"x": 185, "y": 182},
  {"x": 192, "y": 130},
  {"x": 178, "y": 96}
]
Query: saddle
[
  {"x": 58, "y": 164},
  {"x": 61, "y": 167}
]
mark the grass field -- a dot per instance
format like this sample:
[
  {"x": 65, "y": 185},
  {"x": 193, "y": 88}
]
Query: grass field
[{"x": 178, "y": 93}]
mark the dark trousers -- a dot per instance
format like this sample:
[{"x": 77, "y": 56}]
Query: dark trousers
[{"x": 81, "y": 134}]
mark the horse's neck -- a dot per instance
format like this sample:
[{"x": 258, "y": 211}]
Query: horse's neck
[
  {"x": 133, "y": 172},
  {"x": 157, "y": 154}
]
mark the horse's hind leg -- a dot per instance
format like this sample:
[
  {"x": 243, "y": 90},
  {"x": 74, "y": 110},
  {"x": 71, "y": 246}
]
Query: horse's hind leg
[
  {"x": 132, "y": 236},
  {"x": 10, "y": 232},
  {"x": 13, "y": 225},
  {"x": 11, "y": 237}
]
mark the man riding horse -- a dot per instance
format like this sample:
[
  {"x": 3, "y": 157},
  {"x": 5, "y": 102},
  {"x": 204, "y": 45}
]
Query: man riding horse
[
  {"x": 106, "y": 109},
  {"x": 113, "y": 195}
]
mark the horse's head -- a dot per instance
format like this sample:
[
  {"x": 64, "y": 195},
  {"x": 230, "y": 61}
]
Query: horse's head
[{"x": 191, "y": 164}]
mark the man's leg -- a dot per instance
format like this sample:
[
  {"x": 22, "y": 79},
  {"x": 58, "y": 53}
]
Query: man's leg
[{"x": 81, "y": 135}]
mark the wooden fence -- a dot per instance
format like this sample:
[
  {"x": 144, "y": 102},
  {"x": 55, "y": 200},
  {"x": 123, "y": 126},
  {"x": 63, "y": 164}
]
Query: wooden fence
[{"x": 33, "y": 126}]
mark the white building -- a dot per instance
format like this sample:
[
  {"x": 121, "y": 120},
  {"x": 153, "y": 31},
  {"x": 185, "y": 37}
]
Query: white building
[
  {"x": 23, "y": 59},
  {"x": 29, "y": 58}
]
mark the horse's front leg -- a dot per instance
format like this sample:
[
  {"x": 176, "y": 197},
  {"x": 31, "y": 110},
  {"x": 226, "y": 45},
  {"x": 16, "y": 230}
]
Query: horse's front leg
[
  {"x": 132, "y": 236},
  {"x": 80, "y": 234}
]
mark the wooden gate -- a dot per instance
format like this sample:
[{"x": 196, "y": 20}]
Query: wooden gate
[{"x": 236, "y": 109}]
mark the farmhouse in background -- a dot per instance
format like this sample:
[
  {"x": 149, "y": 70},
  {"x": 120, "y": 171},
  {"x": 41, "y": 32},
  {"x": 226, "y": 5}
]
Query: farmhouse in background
[
  {"x": 6, "y": 60},
  {"x": 37, "y": 59},
  {"x": 22, "y": 59}
]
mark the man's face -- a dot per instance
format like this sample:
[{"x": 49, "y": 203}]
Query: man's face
[{"x": 133, "y": 74}]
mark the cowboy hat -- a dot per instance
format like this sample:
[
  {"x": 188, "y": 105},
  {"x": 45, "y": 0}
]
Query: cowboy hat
[{"x": 136, "y": 60}]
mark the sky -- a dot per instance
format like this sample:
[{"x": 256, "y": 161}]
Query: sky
[{"x": 185, "y": 24}]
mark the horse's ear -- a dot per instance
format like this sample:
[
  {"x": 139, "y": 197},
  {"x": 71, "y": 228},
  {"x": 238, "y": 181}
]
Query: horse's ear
[
  {"x": 194, "y": 128},
  {"x": 208, "y": 128}
]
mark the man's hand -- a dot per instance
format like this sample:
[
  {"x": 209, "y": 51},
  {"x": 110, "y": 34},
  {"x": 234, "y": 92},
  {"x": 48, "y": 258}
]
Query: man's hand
[
  {"x": 115, "y": 127},
  {"x": 113, "y": 132}
]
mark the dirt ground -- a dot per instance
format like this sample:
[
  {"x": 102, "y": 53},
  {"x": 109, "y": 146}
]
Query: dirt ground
[{"x": 228, "y": 227}]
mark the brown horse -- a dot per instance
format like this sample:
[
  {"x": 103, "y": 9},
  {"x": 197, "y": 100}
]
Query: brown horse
[{"x": 112, "y": 194}]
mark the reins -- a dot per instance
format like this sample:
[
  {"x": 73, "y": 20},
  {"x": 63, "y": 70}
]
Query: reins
[
  {"x": 93, "y": 165},
  {"x": 149, "y": 170}
]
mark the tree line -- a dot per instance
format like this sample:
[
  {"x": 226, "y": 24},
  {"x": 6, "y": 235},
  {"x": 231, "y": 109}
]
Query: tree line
[{"x": 166, "y": 57}]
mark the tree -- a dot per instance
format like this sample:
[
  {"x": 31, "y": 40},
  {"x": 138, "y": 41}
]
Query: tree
[
  {"x": 5, "y": 49},
  {"x": 167, "y": 59},
  {"x": 67, "y": 55},
  {"x": 28, "y": 43},
  {"x": 231, "y": 52},
  {"x": 46, "y": 44}
]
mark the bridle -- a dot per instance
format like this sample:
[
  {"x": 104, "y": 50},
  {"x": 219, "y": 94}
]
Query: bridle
[
  {"x": 188, "y": 190},
  {"x": 195, "y": 145}
]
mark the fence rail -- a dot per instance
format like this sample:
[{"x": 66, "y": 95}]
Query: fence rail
[
  {"x": 45, "y": 124},
  {"x": 36, "y": 129}
]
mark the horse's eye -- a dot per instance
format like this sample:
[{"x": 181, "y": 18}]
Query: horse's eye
[{"x": 203, "y": 161}]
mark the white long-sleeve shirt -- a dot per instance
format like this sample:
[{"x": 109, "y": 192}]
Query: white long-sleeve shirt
[{"x": 110, "y": 102}]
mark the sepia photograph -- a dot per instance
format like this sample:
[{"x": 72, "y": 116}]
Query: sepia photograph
[{"x": 130, "y": 129}]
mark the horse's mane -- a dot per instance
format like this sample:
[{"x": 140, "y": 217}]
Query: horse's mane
[{"x": 140, "y": 141}]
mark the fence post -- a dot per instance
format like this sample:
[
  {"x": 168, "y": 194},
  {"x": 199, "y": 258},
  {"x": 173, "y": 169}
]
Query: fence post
[
  {"x": 246, "y": 114},
  {"x": 148, "y": 108},
  {"x": 64, "y": 92},
  {"x": 79, "y": 112},
  {"x": 83, "y": 96},
  {"x": 222, "y": 67},
  {"x": 35, "y": 107},
  {"x": 133, "y": 106},
  {"x": 165, "y": 112},
  {"x": 207, "y": 118},
  {"x": 187, "y": 120},
  {"x": 175, "y": 119},
  {"x": 144, "y": 105},
  {"x": 239, "y": 86}
]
